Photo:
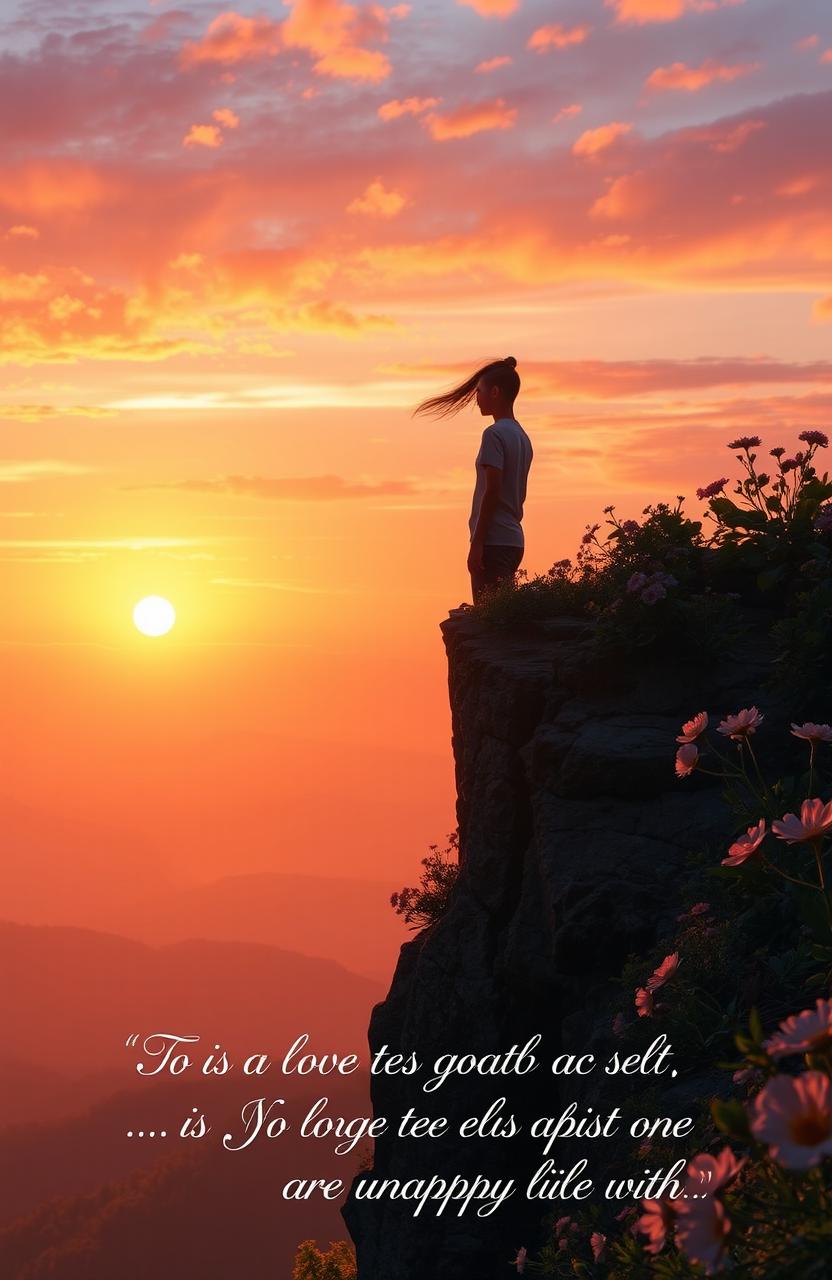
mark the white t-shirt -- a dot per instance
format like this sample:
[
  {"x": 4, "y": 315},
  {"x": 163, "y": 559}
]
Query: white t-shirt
[{"x": 504, "y": 445}]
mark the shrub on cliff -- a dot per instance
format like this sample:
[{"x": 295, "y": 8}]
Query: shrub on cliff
[
  {"x": 338, "y": 1263},
  {"x": 660, "y": 581},
  {"x": 428, "y": 901}
]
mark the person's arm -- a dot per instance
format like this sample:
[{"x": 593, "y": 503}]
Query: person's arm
[{"x": 490, "y": 502}]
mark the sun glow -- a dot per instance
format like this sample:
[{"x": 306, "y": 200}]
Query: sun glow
[{"x": 154, "y": 616}]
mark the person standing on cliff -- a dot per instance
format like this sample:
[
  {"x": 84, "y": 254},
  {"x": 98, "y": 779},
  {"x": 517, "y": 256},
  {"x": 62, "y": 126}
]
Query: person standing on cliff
[{"x": 502, "y": 469}]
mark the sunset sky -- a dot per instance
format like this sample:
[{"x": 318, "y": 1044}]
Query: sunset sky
[{"x": 238, "y": 247}]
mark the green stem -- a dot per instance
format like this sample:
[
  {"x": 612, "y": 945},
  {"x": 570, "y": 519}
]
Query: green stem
[
  {"x": 805, "y": 884},
  {"x": 767, "y": 791},
  {"x": 817, "y": 846}
]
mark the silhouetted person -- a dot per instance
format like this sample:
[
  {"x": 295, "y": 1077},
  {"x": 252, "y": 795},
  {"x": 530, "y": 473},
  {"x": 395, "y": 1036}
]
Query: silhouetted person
[{"x": 502, "y": 469}]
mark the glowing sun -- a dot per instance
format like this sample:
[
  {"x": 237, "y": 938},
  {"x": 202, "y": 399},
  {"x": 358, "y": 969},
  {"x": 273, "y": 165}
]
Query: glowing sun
[{"x": 154, "y": 616}]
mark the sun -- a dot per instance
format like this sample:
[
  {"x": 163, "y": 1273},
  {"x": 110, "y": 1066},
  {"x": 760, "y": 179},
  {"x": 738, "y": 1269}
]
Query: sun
[{"x": 154, "y": 616}]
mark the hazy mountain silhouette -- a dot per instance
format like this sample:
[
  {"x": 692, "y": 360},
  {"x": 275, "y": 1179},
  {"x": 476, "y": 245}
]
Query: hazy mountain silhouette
[
  {"x": 39, "y": 1162},
  {"x": 345, "y": 920},
  {"x": 127, "y": 1208},
  {"x": 70, "y": 997}
]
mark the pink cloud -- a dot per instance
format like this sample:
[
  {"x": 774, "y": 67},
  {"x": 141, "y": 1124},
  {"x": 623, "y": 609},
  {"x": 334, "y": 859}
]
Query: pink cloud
[
  {"x": 493, "y": 63},
  {"x": 567, "y": 113},
  {"x": 335, "y": 33},
  {"x": 827, "y": 57},
  {"x": 332, "y": 31},
  {"x": 630, "y": 196},
  {"x": 406, "y": 107},
  {"x": 470, "y": 119},
  {"x": 294, "y": 488},
  {"x": 225, "y": 116},
  {"x": 557, "y": 37},
  {"x": 797, "y": 187},
  {"x": 202, "y": 135},
  {"x": 492, "y": 8},
  {"x": 56, "y": 187},
  {"x": 822, "y": 310},
  {"x": 22, "y": 232},
  {"x": 808, "y": 42},
  {"x": 593, "y": 141},
  {"x": 644, "y": 11},
  {"x": 231, "y": 38},
  {"x": 726, "y": 139},
  {"x": 377, "y": 201},
  {"x": 691, "y": 79}
]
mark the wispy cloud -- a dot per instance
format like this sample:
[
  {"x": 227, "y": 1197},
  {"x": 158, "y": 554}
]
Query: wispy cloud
[
  {"x": 642, "y": 12},
  {"x": 255, "y": 584},
  {"x": 679, "y": 75},
  {"x": 557, "y": 36},
  {"x": 325, "y": 488},
  {"x": 24, "y": 471},
  {"x": 471, "y": 118},
  {"x": 42, "y": 412}
]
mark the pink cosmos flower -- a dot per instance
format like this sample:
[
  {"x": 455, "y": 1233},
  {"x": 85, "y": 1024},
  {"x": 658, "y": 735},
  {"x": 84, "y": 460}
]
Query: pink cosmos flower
[
  {"x": 815, "y": 819},
  {"x": 793, "y": 1115},
  {"x": 562, "y": 1224},
  {"x": 742, "y": 724},
  {"x": 702, "y": 1225},
  {"x": 815, "y": 437},
  {"x": 597, "y": 1242},
  {"x": 687, "y": 758},
  {"x": 711, "y": 490},
  {"x": 747, "y": 1075},
  {"x": 520, "y": 1260},
  {"x": 664, "y": 973},
  {"x": 744, "y": 847},
  {"x": 699, "y": 908},
  {"x": 653, "y": 593},
  {"x": 807, "y": 1032},
  {"x": 702, "y": 1232},
  {"x": 636, "y": 581},
  {"x": 745, "y": 442},
  {"x": 655, "y": 1223},
  {"x": 693, "y": 729},
  {"x": 788, "y": 464},
  {"x": 644, "y": 1002},
  {"x": 812, "y": 732}
]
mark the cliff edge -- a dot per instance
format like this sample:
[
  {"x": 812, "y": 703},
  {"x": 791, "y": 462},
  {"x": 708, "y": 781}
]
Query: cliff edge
[{"x": 573, "y": 837}]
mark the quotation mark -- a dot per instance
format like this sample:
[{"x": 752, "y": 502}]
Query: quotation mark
[
  {"x": 131, "y": 1041},
  {"x": 704, "y": 1174}
]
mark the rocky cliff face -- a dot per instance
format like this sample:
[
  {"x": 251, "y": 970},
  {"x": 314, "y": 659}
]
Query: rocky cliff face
[{"x": 573, "y": 831}]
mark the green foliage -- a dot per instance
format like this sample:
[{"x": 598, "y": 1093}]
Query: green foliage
[
  {"x": 766, "y": 535},
  {"x": 427, "y": 902},
  {"x": 803, "y": 641}
]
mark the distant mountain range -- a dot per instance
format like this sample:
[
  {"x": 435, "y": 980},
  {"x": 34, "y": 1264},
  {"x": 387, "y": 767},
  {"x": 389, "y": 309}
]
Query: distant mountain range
[
  {"x": 82, "y": 1200},
  {"x": 70, "y": 997},
  {"x": 349, "y": 921}
]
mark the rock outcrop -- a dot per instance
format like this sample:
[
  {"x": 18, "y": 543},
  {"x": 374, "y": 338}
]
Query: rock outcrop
[{"x": 573, "y": 834}]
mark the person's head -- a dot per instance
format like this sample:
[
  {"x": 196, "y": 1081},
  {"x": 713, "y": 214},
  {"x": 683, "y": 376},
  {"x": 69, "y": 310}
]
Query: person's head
[{"x": 494, "y": 387}]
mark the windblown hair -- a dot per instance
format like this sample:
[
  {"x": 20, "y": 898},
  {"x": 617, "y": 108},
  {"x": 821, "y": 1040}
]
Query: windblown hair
[{"x": 499, "y": 373}]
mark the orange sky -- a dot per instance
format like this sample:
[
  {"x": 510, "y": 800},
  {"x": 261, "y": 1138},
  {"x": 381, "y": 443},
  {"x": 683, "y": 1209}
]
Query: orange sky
[{"x": 238, "y": 247}]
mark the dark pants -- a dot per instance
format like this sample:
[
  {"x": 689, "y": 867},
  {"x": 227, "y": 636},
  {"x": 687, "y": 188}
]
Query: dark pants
[{"x": 499, "y": 563}]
